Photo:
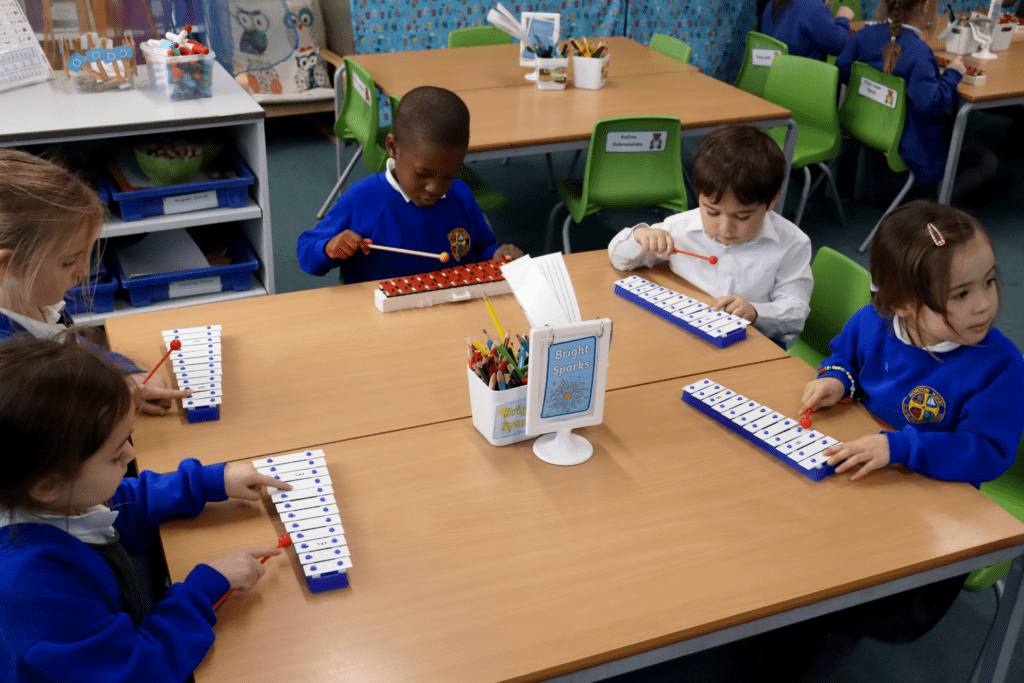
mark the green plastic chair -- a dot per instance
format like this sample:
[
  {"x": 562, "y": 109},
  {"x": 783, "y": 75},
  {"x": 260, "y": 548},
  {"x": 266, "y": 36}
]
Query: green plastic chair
[
  {"x": 877, "y": 125},
  {"x": 673, "y": 47},
  {"x": 852, "y": 4},
  {"x": 841, "y": 288},
  {"x": 752, "y": 77},
  {"x": 359, "y": 121},
  {"x": 808, "y": 88},
  {"x": 473, "y": 36},
  {"x": 623, "y": 179},
  {"x": 486, "y": 198}
]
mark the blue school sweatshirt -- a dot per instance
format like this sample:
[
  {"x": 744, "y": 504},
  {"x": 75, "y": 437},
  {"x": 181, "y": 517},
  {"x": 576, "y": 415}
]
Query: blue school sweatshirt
[
  {"x": 373, "y": 209},
  {"x": 929, "y": 94},
  {"x": 957, "y": 415},
  {"x": 60, "y": 608},
  {"x": 808, "y": 28}
]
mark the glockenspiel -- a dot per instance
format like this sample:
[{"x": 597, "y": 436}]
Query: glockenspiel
[
  {"x": 459, "y": 283},
  {"x": 718, "y": 327},
  {"x": 770, "y": 430},
  {"x": 310, "y": 515},
  {"x": 197, "y": 366}
]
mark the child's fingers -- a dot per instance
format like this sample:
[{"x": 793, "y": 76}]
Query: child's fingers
[
  {"x": 270, "y": 482},
  {"x": 151, "y": 408}
]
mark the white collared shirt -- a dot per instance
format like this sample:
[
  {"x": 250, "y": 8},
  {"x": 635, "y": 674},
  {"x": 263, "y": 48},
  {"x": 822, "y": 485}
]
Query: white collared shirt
[
  {"x": 772, "y": 270},
  {"x": 899, "y": 326},
  {"x": 393, "y": 182},
  {"x": 95, "y": 526},
  {"x": 38, "y": 329}
]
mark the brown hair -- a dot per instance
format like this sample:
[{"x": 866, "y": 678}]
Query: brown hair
[
  {"x": 59, "y": 403},
  {"x": 897, "y": 12},
  {"x": 42, "y": 204},
  {"x": 433, "y": 115},
  {"x": 907, "y": 266},
  {"x": 740, "y": 159}
]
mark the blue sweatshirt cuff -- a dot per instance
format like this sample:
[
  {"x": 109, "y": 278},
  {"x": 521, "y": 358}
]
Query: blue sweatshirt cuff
[
  {"x": 841, "y": 376},
  {"x": 488, "y": 253},
  {"x": 208, "y": 581},
  {"x": 212, "y": 485}
]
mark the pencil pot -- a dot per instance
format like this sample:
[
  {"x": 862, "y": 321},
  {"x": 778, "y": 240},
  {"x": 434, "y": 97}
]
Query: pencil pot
[
  {"x": 187, "y": 77},
  {"x": 500, "y": 416},
  {"x": 552, "y": 73},
  {"x": 589, "y": 73}
]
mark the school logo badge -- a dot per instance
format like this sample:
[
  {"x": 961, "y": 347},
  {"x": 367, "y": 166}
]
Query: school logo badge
[
  {"x": 924, "y": 404},
  {"x": 459, "y": 239}
]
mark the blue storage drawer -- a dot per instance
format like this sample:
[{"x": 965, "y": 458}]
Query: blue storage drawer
[
  {"x": 102, "y": 286},
  {"x": 231, "y": 193},
  {"x": 235, "y": 276}
]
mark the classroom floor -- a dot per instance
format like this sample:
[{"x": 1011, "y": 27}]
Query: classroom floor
[{"x": 302, "y": 171}]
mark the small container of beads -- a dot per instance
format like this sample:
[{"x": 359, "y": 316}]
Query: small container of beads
[{"x": 186, "y": 77}]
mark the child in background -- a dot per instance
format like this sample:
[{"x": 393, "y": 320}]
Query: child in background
[
  {"x": 763, "y": 272},
  {"x": 49, "y": 224},
  {"x": 898, "y": 47},
  {"x": 415, "y": 204},
  {"x": 925, "y": 357},
  {"x": 70, "y": 607},
  {"x": 808, "y": 27}
]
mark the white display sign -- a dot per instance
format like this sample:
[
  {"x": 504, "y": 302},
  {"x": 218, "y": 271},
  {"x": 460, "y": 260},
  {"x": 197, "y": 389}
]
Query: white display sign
[
  {"x": 203, "y": 285},
  {"x": 183, "y": 203},
  {"x": 877, "y": 92},
  {"x": 760, "y": 56},
  {"x": 636, "y": 141}
]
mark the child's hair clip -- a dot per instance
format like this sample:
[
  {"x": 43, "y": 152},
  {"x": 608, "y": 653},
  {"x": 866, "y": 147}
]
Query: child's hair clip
[{"x": 936, "y": 235}]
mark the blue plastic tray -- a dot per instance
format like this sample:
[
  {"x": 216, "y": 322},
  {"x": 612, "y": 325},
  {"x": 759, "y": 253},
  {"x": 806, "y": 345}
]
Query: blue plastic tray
[
  {"x": 232, "y": 193},
  {"x": 236, "y": 276}
]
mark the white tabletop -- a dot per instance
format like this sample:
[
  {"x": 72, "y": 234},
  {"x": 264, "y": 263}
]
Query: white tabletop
[{"x": 55, "y": 109}]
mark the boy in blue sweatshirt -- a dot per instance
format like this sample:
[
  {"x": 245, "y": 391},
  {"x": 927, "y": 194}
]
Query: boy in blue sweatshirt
[
  {"x": 807, "y": 27},
  {"x": 415, "y": 204}
]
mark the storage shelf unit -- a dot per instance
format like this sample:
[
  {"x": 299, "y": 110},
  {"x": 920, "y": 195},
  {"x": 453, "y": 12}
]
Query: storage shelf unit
[{"x": 54, "y": 112}]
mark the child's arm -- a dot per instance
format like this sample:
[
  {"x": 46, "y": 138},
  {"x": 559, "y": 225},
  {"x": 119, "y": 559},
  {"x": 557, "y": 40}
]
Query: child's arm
[
  {"x": 507, "y": 251},
  {"x": 931, "y": 93},
  {"x": 154, "y": 396},
  {"x": 320, "y": 248},
  {"x": 783, "y": 317},
  {"x": 832, "y": 33},
  {"x": 345, "y": 244},
  {"x": 640, "y": 246}
]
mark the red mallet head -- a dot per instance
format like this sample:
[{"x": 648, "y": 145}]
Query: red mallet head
[
  {"x": 175, "y": 345},
  {"x": 444, "y": 257},
  {"x": 713, "y": 260},
  {"x": 805, "y": 421},
  {"x": 285, "y": 541}
]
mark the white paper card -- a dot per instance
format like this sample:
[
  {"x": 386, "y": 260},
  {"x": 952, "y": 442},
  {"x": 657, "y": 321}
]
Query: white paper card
[
  {"x": 635, "y": 141},
  {"x": 877, "y": 92},
  {"x": 203, "y": 285},
  {"x": 195, "y": 201},
  {"x": 760, "y": 56}
]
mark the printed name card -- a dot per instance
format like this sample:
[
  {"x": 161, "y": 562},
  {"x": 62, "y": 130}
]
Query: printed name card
[
  {"x": 760, "y": 56},
  {"x": 877, "y": 92},
  {"x": 636, "y": 141}
]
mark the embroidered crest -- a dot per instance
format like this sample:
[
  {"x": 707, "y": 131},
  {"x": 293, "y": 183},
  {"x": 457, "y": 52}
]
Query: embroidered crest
[
  {"x": 459, "y": 239},
  {"x": 924, "y": 404}
]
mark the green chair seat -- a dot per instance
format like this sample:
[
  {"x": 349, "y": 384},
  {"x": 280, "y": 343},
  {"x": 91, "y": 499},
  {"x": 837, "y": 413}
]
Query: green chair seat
[{"x": 474, "y": 36}]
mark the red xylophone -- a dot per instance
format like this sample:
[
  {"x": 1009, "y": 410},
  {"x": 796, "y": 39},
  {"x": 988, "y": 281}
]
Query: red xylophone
[{"x": 459, "y": 283}]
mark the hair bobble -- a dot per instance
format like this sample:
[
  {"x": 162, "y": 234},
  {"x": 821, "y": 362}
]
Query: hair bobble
[
  {"x": 892, "y": 39},
  {"x": 936, "y": 235}
]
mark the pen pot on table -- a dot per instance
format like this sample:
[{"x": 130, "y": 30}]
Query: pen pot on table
[
  {"x": 590, "y": 73},
  {"x": 500, "y": 416},
  {"x": 552, "y": 73}
]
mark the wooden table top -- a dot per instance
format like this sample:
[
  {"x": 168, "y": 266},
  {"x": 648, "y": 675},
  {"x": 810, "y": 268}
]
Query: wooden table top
[
  {"x": 325, "y": 365},
  {"x": 504, "y": 118},
  {"x": 497, "y": 66},
  {"x": 476, "y": 563}
]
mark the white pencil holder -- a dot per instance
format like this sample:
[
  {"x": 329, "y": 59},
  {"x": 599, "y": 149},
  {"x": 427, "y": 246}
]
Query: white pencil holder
[
  {"x": 500, "y": 416},
  {"x": 589, "y": 73},
  {"x": 960, "y": 41},
  {"x": 552, "y": 73}
]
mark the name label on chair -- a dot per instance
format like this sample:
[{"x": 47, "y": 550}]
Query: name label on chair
[
  {"x": 361, "y": 88},
  {"x": 761, "y": 56},
  {"x": 639, "y": 141},
  {"x": 877, "y": 92}
]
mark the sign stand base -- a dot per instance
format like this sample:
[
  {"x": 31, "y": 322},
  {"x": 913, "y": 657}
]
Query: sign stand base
[{"x": 563, "y": 448}]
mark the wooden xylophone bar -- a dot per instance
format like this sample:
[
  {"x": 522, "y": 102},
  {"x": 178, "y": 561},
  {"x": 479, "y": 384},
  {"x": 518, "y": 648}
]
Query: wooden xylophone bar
[
  {"x": 458, "y": 283},
  {"x": 696, "y": 317},
  {"x": 776, "y": 434}
]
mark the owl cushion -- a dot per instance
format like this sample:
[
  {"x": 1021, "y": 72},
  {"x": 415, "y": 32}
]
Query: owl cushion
[{"x": 276, "y": 45}]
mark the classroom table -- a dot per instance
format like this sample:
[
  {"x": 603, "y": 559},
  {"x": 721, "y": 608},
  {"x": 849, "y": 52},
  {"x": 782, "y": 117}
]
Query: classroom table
[
  {"x": 325, "y": 365},
  {"x": 477, "y": 563},
  {"x": 510, "y": 116}
]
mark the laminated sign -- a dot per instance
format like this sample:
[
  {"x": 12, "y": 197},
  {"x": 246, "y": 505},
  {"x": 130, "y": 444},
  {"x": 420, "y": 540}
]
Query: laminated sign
[
  {"x": 636, "y": 141},
  {"x": 877, "y": 92}
]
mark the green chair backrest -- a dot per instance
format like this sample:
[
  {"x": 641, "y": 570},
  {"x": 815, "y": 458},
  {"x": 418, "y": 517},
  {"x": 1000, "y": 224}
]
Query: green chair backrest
[
  {"x": 1008, "y": 492},
  {"x": 841, "y": 288},
  {"x": 877, "y": 124},
  {"x": 852, "y": 4},
  {"x": 808, "y": 88},
  {"x": 673, "y": 47},
  {"x": 648, "y": 174},
  {"x": 752, "y": 73},
  {"x": 359, "y": 118},
  {"x": 478, "y": 35}
]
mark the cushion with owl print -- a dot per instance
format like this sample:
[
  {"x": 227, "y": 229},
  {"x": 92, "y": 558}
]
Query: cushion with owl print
[{"x": 275, "y": 49}]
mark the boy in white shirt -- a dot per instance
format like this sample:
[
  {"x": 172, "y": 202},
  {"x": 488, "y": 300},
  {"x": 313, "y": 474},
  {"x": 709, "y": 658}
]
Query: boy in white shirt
[{"x": 763, "y": 267}]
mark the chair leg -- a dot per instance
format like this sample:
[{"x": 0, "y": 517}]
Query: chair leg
[
  {"x": 566, "y": 247},
  {"x": 507, "y": 159},
  {"x": 551, "y": 172},
  {"x": 338, "y": 185},
  {"x": 895, "y": 203},
  {"x": 803, "y": 196},
  {"x": 827, "y": 172},
  {"x": 549, "y": 241},
  {"x": 572, "y": 164}
]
